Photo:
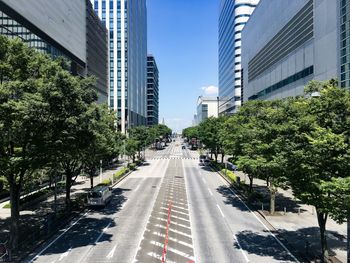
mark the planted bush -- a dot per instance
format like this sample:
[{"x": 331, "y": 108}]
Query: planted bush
[
  {"x": 106, "y": 182},
  {"x": 132, "y": 166},
  {"x": 230, "y": 175},
  {"x": 120, "y": 173}
]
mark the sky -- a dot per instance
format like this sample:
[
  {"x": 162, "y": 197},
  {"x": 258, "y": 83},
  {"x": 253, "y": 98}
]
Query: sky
[{"x": 183, "y": 37}]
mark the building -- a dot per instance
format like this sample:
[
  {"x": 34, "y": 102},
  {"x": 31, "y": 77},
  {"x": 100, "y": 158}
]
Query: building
[
  {"x": 287, "y": 44},
  {"x": 344, "y": 34},
  {"x": 152, "y": 91},
  {"x": 206, "y": 107},
  {"x": 126, "y": 22},
  {"x": 97, "y": 51},
  {"x": 234, "y": 14},
  {"x": 60, "y": 28}
]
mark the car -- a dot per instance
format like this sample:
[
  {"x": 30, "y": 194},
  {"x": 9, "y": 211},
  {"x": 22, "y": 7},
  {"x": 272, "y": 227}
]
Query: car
[
  {"x": 183, "y": 147},
  {"x": 206, "y": 162},
  {"x": 202, "y": 158},
  {"x": 100, "y": 195}
]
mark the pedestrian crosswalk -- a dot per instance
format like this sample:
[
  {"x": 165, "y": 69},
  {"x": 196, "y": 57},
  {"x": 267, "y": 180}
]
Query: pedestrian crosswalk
[{"x": 172, "y": 158}]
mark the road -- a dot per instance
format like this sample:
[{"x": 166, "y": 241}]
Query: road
[{"x": 169, "y": 209}]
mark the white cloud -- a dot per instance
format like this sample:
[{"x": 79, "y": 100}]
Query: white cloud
[{"x": 210, "y": 90}]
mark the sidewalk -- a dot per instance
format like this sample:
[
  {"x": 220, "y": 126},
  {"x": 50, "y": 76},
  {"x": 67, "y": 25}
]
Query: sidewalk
[
  {"x": 81, "y": 184},
  {"x": 299, "y": 224}
]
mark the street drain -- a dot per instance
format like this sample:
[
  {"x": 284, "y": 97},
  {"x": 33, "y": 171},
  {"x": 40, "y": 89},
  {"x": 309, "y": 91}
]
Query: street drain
[{"x": 154, "y": 186}]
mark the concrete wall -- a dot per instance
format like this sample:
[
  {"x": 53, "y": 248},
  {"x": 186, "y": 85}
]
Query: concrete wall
[{"x": 62, "y": 20}]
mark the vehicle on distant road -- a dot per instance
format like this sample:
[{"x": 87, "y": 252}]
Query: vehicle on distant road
[
  {"x": 183, "y": 147},
  {"x": 100, "y": 195},
  {"x": 202, "y": 158},
  {"x": 206, "y": 162}
]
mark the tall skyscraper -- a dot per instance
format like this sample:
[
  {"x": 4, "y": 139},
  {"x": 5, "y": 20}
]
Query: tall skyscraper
[
  {"x": 234, "y": 14},
  {"x": 152, "y": 91},
  {"x": 127, "y": 24}
]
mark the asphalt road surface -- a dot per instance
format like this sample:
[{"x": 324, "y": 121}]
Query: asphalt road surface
[{"x": 169, "y": 210}]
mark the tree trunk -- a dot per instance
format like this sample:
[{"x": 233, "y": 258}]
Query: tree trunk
[
  {"x": 68, "y": 187},
  {"x": 273, "y": 192},
  {"x": 251, "y": 178},
  {"x": 15, "y": 191},
  {"x": 322, "y": 220},
  {"x": 216, "y": 157},
  {"x": 91, "y": 180},
  {"x": 348, "y": 238},
  {"x": 222, "y": 158}
]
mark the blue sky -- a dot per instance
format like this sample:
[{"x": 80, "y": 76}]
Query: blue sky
[{"x": 182, "y": 35}]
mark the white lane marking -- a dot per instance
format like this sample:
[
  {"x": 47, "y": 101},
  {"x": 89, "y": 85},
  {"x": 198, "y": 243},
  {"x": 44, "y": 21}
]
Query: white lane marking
[
  {"x": 65, "y": 254},
  {"x": 179, "y": 207},
  {"x": 240, "y": 248},
  {"x": 210, "y": 192},
  {"x": 137, "y": 188},
  {"x": 102, "y": 233},
  {"x": 204, "y": 180},
  {"x": 111, "y": 254},
  {"x": 257, "y": 218},
  {"x": 173, "y": 230},
  {"x": 185, "y": 255},
  {"x": 181, "y": 218},
  {"x": 220, "y": 210},
  {"x": 173, "y": 223},
  {"x": 65, "y": 231},
  {"x": 159, "y": 257},
  {"x": 189, "y": 206},
  {"x": 174, "y": 240},
  {"x": 163, "y": 169}
]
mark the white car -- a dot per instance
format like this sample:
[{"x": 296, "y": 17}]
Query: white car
[{"x": 100, "y": 195}]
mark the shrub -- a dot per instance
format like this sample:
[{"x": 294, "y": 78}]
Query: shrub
[
  {"x": 230, "y": 175},
  {"x": 106, "y": 182},
  {"x": 120, "y": 173},
  {"x": 132, "y": 166},
  {"x": 32, "y": 197}
]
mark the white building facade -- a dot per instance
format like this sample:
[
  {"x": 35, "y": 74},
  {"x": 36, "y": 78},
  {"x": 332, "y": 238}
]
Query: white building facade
[
  {"x": 126, "y": 21},
  {"x": 234, "y": 14},
  {"x": 288, "y": 43},
  {"x": 206, "y": 107}
]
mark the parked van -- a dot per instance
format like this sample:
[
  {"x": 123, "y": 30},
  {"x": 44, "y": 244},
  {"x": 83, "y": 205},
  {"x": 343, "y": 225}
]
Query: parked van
[{"x": 100, "y": 195}]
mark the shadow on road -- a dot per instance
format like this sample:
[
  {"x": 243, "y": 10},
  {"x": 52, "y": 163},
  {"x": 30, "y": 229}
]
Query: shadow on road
[
  {"x": 305, "y": 241},
  {"x": 282, "y": 201}
]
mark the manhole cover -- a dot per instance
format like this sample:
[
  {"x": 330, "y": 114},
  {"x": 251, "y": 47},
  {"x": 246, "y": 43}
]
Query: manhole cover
[{"x": 154, "y": 186}]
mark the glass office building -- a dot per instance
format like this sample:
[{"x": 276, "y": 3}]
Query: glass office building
[
  {"x": 69, "y": 29},
  {"x": 126, "y": 21},
  {"x": 345, "y": 43},
  {"x": 152, "y": 91},
  {"x": 234, "y": 14}
]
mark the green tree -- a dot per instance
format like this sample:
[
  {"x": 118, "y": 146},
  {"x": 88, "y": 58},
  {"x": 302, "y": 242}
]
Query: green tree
[
  {"x": 23, "y": 119},
  {"x": 317, "y": 154},
  {"x": 101, "y": 144},
  {"x": 131, "y": 148},
  {"x": 208, "y": 132},
  {"x": 69, "y": 99},
  {"x": 140, "y": 135}
]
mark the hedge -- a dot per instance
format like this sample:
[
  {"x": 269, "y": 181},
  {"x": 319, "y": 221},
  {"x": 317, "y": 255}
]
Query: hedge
[
  {"x": 32, "y": 197},
  {"x": 132, "y": 166},
  {"x": 120, "y": 173},
  {"x": 230, "y": 175}
]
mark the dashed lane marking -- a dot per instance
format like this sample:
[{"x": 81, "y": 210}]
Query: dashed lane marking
[{"x": 220, "y": 210}]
